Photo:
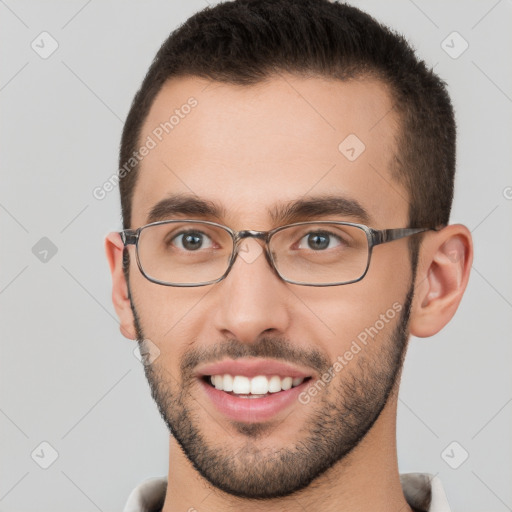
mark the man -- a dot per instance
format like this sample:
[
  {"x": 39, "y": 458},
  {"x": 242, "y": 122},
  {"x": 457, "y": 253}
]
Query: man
[{"x": 286, "y": 177}]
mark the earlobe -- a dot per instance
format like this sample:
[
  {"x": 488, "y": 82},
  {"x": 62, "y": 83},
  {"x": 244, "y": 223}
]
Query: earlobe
[
  {"x": 442, "y": 276},
  {"x": 120, "y": 297}
]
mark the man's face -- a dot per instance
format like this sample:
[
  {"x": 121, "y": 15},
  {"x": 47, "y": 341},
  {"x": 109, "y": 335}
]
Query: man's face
[{"x": 250, "y": 149}]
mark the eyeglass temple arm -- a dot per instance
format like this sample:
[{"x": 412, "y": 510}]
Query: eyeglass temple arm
[
  {"x": 387, "y": 235},
  {"x": 129, "y": 236}
]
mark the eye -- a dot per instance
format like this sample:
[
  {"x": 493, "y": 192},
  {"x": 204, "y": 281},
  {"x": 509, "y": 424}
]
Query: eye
[
  {"x": 320, "y": 240},
  {"x": 192, "y": 240}
]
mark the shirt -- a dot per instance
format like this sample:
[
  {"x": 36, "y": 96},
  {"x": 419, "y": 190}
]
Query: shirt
[{"x": 423, "y": 492}]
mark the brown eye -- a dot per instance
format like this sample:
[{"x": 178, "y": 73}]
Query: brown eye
[
  {"x": 320, "y": 240},
  {"x": 192, "y": 240}
]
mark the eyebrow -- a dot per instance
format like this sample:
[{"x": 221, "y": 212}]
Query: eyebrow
[{"x": 305, "y": 208}]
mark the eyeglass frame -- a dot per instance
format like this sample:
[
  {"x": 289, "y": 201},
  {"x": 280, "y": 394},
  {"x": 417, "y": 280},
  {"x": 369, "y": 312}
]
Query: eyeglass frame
[{"x": 374, "y": 237}]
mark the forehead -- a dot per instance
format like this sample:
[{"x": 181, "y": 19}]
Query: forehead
[{"x": 253, "y": 150}]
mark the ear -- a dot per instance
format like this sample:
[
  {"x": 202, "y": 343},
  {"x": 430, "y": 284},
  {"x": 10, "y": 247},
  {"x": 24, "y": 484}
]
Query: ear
[
  {"x": 443, "y": 270},
  {"x": 114, "y": 249}
]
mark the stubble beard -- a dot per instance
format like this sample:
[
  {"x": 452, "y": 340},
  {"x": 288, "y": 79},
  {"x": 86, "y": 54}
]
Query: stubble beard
[{"x": 338, "y": 419}]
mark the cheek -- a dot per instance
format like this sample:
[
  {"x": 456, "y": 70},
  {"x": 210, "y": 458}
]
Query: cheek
[
  {"x": 164, "y": 312},
  {"x": 369, "y": 309},
  {"x": 344, "y": 318}
]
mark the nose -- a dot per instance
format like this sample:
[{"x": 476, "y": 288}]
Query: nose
[{"x": 252, "y": 299}]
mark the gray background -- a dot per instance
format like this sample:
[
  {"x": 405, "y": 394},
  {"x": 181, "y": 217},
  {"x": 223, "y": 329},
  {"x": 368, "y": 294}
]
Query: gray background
[{"x": 69, "y": 378}]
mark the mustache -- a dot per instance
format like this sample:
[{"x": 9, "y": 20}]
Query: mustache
[{"x": 268, "y": 347}]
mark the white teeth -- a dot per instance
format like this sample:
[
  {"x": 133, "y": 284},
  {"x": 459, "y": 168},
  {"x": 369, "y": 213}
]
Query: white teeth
[
  {"x": 274, "y": 384},
  {"x": 217, "y": 381},
  {"x": 260, "y": 385},
  {"x": 227, "y": 382},
  {"x": 286, "y": 383},
  {"x": 241, "y": 385}
]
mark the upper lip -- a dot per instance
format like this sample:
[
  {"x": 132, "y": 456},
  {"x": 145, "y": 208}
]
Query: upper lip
[{"x": 251, "y": 368}]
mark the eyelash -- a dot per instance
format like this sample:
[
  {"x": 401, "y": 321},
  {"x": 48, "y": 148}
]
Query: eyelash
[{"x": 317, "y": 232}]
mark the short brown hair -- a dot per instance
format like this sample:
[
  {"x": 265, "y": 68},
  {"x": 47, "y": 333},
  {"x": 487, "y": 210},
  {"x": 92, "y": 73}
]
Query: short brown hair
[{"x": 246, "y": 42}]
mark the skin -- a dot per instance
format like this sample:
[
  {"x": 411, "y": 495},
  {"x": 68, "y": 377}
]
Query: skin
[{"x": 249, "y": 148}]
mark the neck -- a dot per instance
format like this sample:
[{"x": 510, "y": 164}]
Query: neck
[{"x": 366, "y": 479}]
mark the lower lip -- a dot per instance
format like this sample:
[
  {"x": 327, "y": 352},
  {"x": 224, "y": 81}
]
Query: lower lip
[{"x": 253, "y": 409}]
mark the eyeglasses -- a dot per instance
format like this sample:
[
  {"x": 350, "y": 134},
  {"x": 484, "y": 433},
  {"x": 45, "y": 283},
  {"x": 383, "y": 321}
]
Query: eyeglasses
[{"x": 198, "y": 253}]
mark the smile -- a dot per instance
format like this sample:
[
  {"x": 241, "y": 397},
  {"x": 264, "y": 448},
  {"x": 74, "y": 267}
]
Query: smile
[
  {"x": 258, "y": 386},
  {"x": 253, "y": 400}
]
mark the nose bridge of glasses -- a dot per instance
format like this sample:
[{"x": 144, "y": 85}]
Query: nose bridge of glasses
[
  {"x": 240, "y": 236},
  {"x": 250, "y": 233}
]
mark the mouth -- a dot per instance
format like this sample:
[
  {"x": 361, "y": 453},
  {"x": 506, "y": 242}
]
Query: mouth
[
  {"x": 255, "y": 387},
  {"x": 257, "y": 399}
]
